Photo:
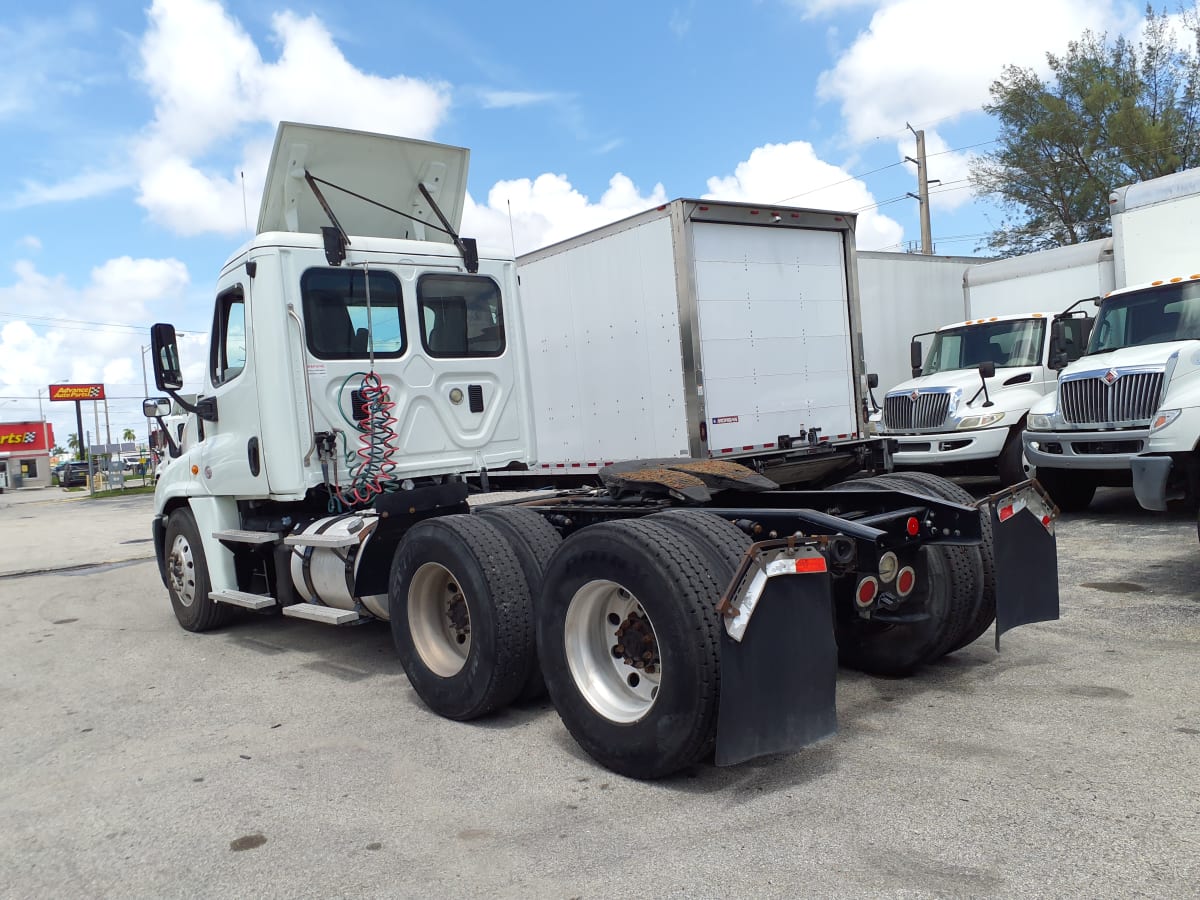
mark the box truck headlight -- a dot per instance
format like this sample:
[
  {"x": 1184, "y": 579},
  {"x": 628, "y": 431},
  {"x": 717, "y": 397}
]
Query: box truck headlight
[
  {"x": 1164, "y": 418},
  {"x": 979, "y": 421},
  {"x": 1038, "y": 422}
]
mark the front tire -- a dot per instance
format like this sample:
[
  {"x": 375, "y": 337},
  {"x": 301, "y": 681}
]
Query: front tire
[
  {"x": 187, "y": 576},
  {"x": 1012, "y": 464},
  {"x": 461, "y": 616},
  {"x": 1071, "y": 490},
  {"x": 629, "y": 639}
]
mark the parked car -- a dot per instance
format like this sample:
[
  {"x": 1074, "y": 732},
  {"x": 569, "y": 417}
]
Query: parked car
[{"x": 73, "y": 474}]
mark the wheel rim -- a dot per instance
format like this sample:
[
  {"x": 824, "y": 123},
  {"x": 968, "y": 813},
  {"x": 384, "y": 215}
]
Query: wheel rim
[
  {"x": 605, "y": 628},
  {"x": 439, "y": 620},
  {"x": 181, "y": 571}
]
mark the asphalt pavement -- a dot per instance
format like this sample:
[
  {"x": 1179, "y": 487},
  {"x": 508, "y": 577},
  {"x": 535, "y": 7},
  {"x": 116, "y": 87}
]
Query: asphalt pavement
[{"x": 283, "y": 758}]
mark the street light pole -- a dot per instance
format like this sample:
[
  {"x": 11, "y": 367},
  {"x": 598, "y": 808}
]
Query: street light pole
[{"x": 145, "y": 394}]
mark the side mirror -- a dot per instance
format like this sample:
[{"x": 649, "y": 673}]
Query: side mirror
[
  {"x": 155, "y": 407},
  {"x": 872, "y": 380},
  {"x": 915, "y": 357},
  {"x": 987, "y": 369},
  {"x": 1057, "y": 356},
  {"x": 168, "y": 374}
]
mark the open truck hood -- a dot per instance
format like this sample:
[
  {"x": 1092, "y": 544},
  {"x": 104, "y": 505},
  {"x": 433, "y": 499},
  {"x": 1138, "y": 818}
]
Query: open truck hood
[{"x": 384, "y": 168}]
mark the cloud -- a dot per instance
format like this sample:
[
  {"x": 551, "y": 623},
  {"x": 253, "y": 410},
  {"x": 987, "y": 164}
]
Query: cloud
[
  {"x": 548, "y": 209},
  {"x": 950, "y": 168},
  {"x": 508, "y": 99},
  {"x": 37, "y": 65},
  {"x": 792, "y": 174},
  {"x": 812, "y": 9},
  {"x": 30, "y": 242},
  {"x": 207, "y": 114},
  {"x": 77, "y": 187},
  {"x": 35, "y": 351},
  {"x": 924, "y": 61}
]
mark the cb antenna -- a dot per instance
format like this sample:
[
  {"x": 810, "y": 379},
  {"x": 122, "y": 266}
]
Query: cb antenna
[{"x": 245, "y": 209}]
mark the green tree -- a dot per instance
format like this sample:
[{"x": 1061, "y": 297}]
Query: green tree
[
  {"x": 128, "y": 435},
  {"x": 1113, "y": 112},
  {"x": 73, "y": 443}
]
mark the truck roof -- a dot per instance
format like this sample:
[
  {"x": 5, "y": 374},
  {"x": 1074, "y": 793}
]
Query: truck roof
[
  {"x": 381, "y": 167},
  {"x": 1053, "y": 260},
  {"x": 1157, "y": 282},
  {"x": 1012, "y": 317}
]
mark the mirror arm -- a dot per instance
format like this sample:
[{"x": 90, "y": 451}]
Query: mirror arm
[
  {"x": 205, "y": 408},
  {"x": 172, "y": 448}
]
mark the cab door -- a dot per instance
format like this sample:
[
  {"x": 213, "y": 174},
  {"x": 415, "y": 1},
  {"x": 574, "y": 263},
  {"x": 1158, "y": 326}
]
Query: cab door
[{"x": 231, "y": 447}]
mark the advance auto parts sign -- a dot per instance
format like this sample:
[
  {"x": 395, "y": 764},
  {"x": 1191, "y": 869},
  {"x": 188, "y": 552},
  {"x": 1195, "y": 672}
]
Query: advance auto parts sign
[
  {"x": 22, "y": 436},
  {"x": 76, "y": 392}
]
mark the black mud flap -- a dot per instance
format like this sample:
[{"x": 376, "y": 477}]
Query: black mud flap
[
  {"x": 778, "y": 683},
  {"x": 1026, "y": 557}
]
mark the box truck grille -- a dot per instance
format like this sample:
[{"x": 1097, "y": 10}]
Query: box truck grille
[
  {"x": 902, "y": 412},
  {"x": 1093, "y": 401}
]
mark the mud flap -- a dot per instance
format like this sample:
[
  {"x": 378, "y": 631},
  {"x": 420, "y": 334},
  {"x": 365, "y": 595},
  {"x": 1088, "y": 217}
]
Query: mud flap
[
  {"x": 1026, "y": 557},
  {"x": 778, "y": 682}
]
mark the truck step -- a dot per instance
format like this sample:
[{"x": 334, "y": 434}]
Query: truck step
[
  {"x": 241, "y": 598},
  {"x": 322, "y": 540},
  {"x": 327, "y": 614},
  {"x": 247, "y": 537}
]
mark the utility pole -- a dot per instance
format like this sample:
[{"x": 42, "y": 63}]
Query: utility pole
[{"x": 922, "y": 197}]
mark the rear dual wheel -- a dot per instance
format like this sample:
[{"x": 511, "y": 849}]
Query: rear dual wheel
[
  {"x": 629, "y": 639},
  {"x": 943, "y": 607},
  {"x": 461, "y": 616}
]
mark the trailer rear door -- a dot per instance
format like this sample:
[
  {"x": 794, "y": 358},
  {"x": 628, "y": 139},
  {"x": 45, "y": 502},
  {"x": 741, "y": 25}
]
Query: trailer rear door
[{"x": 775, "y": 334}]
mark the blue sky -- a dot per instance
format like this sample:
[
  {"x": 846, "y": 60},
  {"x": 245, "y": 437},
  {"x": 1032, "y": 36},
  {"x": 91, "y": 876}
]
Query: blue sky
[{"x": 128, "y": 128}]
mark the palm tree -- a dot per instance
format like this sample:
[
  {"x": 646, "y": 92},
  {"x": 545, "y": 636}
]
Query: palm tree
[
  {"x": 73, "y": 443},
  {"x": 129, "y": 435}
]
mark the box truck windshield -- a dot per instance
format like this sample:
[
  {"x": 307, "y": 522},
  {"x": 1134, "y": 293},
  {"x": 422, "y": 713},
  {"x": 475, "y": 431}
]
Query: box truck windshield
[
  {"x": 1153, "y": 316},
  {"x": 1013, "y": 342}
]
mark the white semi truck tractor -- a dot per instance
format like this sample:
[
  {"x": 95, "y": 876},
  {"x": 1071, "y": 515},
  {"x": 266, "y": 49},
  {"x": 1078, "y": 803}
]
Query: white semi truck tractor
[{"x": 368, "y": 367}]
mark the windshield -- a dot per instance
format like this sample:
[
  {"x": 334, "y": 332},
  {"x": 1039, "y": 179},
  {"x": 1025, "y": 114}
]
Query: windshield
[
  {"x": 1152, "y": 316},
  {"x": 1015, "y": 342}
]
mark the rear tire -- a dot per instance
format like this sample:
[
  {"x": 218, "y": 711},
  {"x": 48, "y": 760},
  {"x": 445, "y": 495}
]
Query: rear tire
[
  {"x": 608, "y": 588},
  {"x": 534, "y": 541},
  {"x": 1071, "y": 491},
  {"x": 187, "y": 576},
  {"x": 461, "y": 616},
  {"x": 951, "y": 592},
  {"x": 986, "y": 613},
  {"x": 722, "y": 542}
]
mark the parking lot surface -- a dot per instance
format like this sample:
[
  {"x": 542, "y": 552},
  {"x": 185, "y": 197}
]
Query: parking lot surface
[{"x": 282, "y": 758}]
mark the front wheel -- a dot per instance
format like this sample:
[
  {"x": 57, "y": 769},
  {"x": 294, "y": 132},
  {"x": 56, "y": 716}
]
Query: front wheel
[
  {"x": 629, "y": 639},
  {"x": 1071, "y": 490},
  {"x": 1013, "y": 466},
  {"x": 187, "y": 576}
]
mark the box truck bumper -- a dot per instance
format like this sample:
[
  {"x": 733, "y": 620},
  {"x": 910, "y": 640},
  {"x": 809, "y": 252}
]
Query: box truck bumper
[
  {"x": 1105, "y": 450},
  {"x": 1150, "y": 476},
  {"x": 948, "y": 447}
]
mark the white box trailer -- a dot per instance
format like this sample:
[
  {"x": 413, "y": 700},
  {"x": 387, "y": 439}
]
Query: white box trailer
[
  {"x": 1154, "y": 226},
  {"x": 1049, "y": 279},
  {"x": 903, "y": 294},
  {"x": 701, "y": 329}
]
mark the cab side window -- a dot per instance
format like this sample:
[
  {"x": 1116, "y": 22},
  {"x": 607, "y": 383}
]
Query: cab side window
[
  {"x": 461, "y": 316},
  {"x": 228, "y": 356}
]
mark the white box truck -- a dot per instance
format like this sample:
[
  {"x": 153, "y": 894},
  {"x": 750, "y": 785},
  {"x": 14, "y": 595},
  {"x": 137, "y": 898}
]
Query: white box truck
[
  {"x": 905, "y": 294},
  {"x": 1129, "y": 410},
  {"x": 964, "y": 409},
  {"x": 367, "y": 364},
  {"x": 701, "y": 329}
]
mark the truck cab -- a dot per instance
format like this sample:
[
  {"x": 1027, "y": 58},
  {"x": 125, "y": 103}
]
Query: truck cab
[
  {"x": 965, "y": 406},
  {"x": 1135, "y": 391}
]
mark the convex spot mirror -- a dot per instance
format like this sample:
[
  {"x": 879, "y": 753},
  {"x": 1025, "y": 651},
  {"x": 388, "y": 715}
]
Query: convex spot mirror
[{"x": 154, "y": 407}]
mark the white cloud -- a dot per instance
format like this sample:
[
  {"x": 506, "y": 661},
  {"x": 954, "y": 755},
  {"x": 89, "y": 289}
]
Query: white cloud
[
  {"x": 814, "y": 8},
  {"x": 30, "y": 242},
  {"x": 923, "y": 61},
  {"x": 36, "y": 352},
  {"x": 508, "y": 99},
  {"x": 792, "y": 174},
  {"x": 548, "y": 209},
  {"x": 77, "y": 187},
  {"x": 205, "y": 108}
]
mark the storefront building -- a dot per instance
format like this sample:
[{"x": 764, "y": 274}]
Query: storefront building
[{"x": 25, "y": 454}]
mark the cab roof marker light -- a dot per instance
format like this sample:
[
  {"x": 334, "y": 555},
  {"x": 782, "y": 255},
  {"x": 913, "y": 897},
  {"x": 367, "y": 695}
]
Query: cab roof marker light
[{"x": 1176, "y": 280}]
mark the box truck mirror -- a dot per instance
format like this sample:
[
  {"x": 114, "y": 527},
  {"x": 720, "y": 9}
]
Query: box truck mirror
[
  {"x": 1058, "y": 348},
  {"x": 914, "y": 357},
  {"x": 987, "y": 369},
  {"x": 872, "y": 380},
  {"x": 168, "y": 374}
]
